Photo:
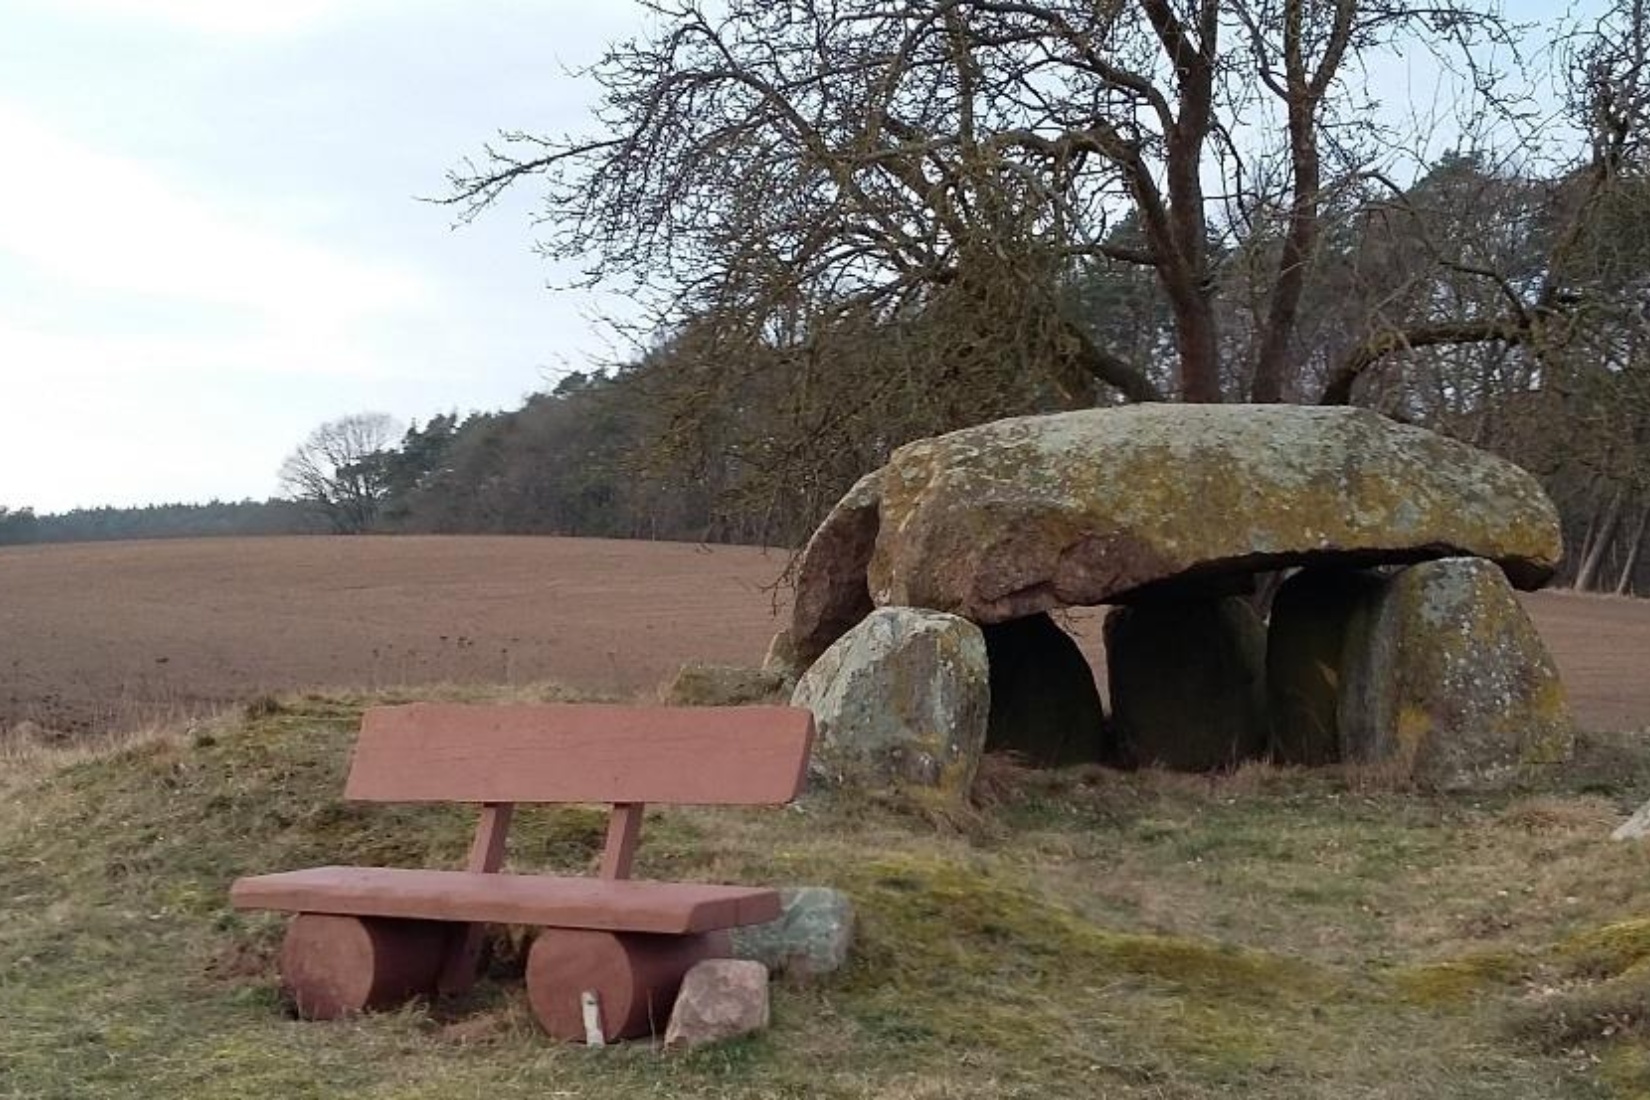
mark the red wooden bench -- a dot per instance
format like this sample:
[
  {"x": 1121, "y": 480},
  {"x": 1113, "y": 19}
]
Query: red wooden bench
[{"x": 612, "y": 950}]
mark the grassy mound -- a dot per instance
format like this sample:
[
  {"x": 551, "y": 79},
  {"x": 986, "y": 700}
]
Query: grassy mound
[{"x": 1270, "y": 934}]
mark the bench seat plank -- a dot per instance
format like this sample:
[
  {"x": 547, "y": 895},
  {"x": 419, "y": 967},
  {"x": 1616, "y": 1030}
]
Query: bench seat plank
[{"x": 465, "y": 896}]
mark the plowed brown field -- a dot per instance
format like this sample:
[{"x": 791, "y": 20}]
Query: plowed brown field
[{"x": 95, "y": 636}]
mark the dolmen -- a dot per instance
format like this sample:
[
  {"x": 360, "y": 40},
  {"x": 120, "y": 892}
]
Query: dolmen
[{"x": 922, "y": 636}]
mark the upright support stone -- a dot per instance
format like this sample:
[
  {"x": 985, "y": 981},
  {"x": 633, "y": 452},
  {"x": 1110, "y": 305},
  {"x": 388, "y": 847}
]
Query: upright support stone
[
  {"x": 1313, "y": 616},
  {"x": 1187, "y": 682},
  {"x": 1045, "y": 707},
  {"x": 901, "y": 698},
  {"x": 1451, "y": 685}
]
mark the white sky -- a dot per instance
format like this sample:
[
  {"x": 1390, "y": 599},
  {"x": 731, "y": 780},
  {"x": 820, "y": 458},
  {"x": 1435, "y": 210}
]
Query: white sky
[{"x": 209, "y": 239}]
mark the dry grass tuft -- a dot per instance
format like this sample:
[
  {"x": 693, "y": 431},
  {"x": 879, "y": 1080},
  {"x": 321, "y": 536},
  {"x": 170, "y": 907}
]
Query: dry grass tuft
[
  {"x": 1563, "y": 1018},
  {"x": 1002, "y": 777},
  {"x": 1591, "y": 815},
  {"x": 26, "y": 757}
]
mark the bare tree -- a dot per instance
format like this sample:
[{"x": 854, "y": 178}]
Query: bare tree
[
  {"x": 341, "y": 470},
  {"x": 1542, "y": 260},
  {"x": 862, "y": 221},
  {"x": 782, "y": 168}
]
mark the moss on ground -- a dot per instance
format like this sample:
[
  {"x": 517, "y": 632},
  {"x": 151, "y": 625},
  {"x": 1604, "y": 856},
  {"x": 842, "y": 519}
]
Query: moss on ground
[
  {"x": 1610, "y": 950},
  {"x": 1269, "y": 934},
  {"x": 1452, "y": 981}
]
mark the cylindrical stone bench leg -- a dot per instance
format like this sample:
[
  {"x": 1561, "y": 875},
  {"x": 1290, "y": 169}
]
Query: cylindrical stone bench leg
[
  {"x": 634, "y": 976},
  {"x": 335, "y": 966}
]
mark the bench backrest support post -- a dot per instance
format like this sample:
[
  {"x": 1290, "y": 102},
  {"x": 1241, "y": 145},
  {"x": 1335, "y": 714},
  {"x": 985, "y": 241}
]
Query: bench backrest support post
[
  {"x": 458, "y": 971},
  {"x": 487, "y": 849},
  {"x": 624, "y": 829}
]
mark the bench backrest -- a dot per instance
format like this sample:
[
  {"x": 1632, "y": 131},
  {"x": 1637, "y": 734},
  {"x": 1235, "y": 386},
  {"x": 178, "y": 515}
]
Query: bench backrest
[
  {"x": 499, "y": 755},
  {"x": 448, "y": 752}
]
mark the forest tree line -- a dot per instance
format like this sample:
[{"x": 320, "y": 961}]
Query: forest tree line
[{"x": 19, "y": 526}]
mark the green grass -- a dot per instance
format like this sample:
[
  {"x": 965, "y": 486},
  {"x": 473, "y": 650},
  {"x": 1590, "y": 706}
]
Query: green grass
[{"x": 1267, "y": 934}]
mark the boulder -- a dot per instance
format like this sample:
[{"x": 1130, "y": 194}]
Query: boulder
[
  {"x": 1451, "y": 685},
  {"x": 697, "y": 685},
  {"x": 1187, "y": 682},
  {"x": 1314, "y": 614},
  {"x": 903, "y": 697},
  {"x": 812, "y": 936},
  {"x": 1020, "y": 516},
  {"x": 1045, "y": 707},
  {"x": 720, "y": 999}
]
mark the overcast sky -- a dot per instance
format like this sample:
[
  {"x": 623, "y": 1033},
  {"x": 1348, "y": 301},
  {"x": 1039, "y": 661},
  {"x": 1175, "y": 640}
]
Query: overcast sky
[{"x": 209, "y": 239}]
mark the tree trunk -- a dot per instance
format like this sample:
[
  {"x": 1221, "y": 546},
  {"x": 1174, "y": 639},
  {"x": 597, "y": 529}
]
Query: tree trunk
[
  {"x": 1605, "y": 534},
  {"x": 1272, "y": 366},
  {"x": 1181, "y": 239},
  {"x": 1198, "y": 342},
  {"x": 1624, "y": 585}
]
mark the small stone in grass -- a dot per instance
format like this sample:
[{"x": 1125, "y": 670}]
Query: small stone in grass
[
  {"x": 720, "y": 999},
  {"x": 812, "y": 936}
]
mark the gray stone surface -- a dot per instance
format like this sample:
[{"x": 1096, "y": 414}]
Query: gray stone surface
[
  {"x": 811, "y": 937},
  {"x": 720, "y": 999},
  {"x": 903, "y": 697},
  {"x": 1451, "y": 685},
  {"x": 1045, "y": 706},
  {"x": 1025, "y": 515},
  {"x": 1187, "y": 682}
]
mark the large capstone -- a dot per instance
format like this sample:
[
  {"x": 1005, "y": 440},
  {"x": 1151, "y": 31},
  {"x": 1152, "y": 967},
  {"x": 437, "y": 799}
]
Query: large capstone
[
  {"x": 1025, "y": 515},
  {"x": 1187, "y": 682},
  {"x": 901, "y": 698},
  {"x": 832, "y": 591},
  {"x": 1450, "y": 684},
  {"x": 1045, "y": 707}
]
